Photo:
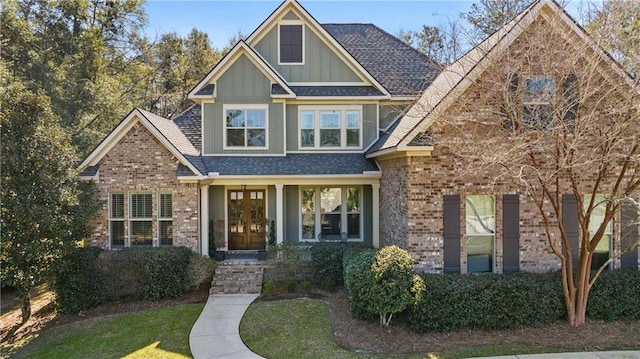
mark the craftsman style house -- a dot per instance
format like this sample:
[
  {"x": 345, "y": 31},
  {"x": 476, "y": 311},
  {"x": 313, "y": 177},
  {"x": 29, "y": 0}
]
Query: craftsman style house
[{"x": 322, "y": 132}]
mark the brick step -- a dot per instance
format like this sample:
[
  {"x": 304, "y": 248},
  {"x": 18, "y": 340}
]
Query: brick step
[{"x": 237, "y": 277}]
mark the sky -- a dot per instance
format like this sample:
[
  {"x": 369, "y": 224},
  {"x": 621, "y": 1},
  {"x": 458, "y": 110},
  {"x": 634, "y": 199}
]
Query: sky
[{"x": 221, "y": 20}]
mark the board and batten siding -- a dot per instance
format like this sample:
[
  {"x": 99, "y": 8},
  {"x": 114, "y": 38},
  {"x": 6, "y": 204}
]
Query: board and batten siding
[
  {"x": 243, "y": 83},
  {"x": 321, "y": 64},
  {"x": 369, "y": 127}
]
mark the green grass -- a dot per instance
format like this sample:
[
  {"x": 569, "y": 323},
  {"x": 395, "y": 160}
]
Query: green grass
[
  {"x": 301, "y": 328},
  {"x": 156, "y": 333}
]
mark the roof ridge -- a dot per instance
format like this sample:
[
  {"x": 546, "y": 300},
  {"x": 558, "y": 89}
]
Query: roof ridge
[
  {"x": 184, "y": 111},
  {"x": 396, "y": 39}
]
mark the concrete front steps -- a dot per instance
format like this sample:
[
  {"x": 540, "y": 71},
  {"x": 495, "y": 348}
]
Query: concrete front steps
[{"x": 238, "y": 276}]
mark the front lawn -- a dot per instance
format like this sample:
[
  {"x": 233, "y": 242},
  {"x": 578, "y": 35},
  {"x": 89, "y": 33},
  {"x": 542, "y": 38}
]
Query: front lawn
[{"x": 155, "y": 333}]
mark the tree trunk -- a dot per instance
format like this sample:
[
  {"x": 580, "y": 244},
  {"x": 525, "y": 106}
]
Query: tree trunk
[{"x": 26, "y": 305}]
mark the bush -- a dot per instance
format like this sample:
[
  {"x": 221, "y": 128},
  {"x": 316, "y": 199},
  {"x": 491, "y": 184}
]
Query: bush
[
  {"x": 291, "y": 286},
  {"x": 357, "y": 279},
  {"x": 199, "y": 271},
  {"x": 382, "y": 283},
  {"x": 147, "y": 273},
  {"x": 327, "y": 262},
  {"x": 489, "y": 301},
  {"x": 78, "y": 284},
  {"x": 615, "y": 295},
  {"x": 269, "y": 288}
]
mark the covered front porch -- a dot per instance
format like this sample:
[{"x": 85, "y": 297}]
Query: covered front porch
[{"x": 244, "y": 211}]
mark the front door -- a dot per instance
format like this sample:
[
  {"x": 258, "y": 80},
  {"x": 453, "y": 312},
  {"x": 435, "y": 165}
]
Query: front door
[{"x": 247, "y": 223}]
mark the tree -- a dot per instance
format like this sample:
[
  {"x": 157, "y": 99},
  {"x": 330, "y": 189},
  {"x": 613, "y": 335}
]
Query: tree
[
  {"x": 442, "y": 43},
  {"x": 488, "y": 16},
  {"x": 41, "y": 211},
  {"x": 553, "y": 119}
]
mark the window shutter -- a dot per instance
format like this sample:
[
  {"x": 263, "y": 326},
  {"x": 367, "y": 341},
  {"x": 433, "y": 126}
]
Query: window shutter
[
  {"x": 451, "y": 219},
  {"x": 570, "y": 222},
  {"x": 291, "y": 43},
  {"x": 511, "y": 104},
  {"x": 571, "y": 94},
  {"x": 511, "y": 232},
  {"x": 629, "y": 223}
]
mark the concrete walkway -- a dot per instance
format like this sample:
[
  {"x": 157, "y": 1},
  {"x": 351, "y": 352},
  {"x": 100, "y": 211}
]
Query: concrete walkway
[{"x": 216, "y": 333}]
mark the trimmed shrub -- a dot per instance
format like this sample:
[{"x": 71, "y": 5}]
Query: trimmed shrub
[
  {"x": 78, "y": 284},
  {"x": 327, "y": 262},
  {"x": 269, "y": 288},
  {"x": 615, "y": 295},
  {"x": 380, "y": 284},
  {"x": 147, "y": 273},
  {"x": 488, "y": 301},
  {"x": 199, "y": 271}
]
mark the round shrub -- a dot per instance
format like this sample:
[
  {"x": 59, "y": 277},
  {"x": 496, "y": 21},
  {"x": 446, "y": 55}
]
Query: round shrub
[
  {"x": 199, "y": 271},
  {"x": 78, "y": 284},
  {"x": 615, "y": 295}
]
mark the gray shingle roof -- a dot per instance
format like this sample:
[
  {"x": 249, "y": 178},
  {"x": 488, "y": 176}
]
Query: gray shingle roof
[
  {"x": 90, "y": 171},
  {"x": 347, "y": 91},
  {"x": 401, "y": 69},
  {"x": 189, "y": 122},
  {"x": 206, "y": 91},
  {"x": 278, "y": 90},
  {"x": 292, "y": 164}
]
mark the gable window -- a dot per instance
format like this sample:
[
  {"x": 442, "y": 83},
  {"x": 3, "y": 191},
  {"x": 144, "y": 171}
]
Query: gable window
[
  {"x": 539, "y": 92},
  {"x": 603, "y": 250},
  {"x": 332, "y": 213},
  {"x": 246, "y": 126},
  {"x": 291, "y": 43},
  {"x": 165, "y": 219},
  {"x": 338, "y": 127},
  {"x": 116, "y": 220},
  {"x": 140, "y": 219},
  {"x": 480, "y": 218}
]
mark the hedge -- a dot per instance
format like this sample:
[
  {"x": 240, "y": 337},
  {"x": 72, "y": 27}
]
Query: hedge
[
  {"x": 358, "y": 277},
  {"x": 615, "y": 295},
  {"x": 489, "y": 301},
  {"x": 327, "y": 262},
  {"x": 78, "y": 284}
]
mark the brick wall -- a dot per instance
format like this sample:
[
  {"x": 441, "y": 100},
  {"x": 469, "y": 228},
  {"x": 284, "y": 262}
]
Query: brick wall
[{"x": 139, "y": 162}]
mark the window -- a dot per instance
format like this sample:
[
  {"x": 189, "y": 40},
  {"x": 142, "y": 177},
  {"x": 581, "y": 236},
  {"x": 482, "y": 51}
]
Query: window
[
  {"x": 140, "y": 219},
  {"x": 333, "y": 212},
  {"x": 116, "y": 220},
  {"x": 165, "y": 219},
  {"x": 603, "y": 250},
  {"x": 246, "y": 127},
  {"x": 291, "y": 44},
  {"x": 539, "y": 92},
  {"x": 480, "y": 224},
  {"x": 330, "y": 127}
]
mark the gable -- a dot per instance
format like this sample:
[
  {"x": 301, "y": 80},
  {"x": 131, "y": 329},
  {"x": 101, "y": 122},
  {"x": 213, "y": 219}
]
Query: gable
[
  {"x": 321, "y": 64},
  {"x": 242, "y": 81}
]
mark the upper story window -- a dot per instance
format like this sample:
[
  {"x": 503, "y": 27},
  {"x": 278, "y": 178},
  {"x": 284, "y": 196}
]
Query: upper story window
[
  {"x": 291, "y": 43},
  {"x": 330, "y": 127},
  {"x": 245, "y": 126},
  {"x": 539, "y": 93}
]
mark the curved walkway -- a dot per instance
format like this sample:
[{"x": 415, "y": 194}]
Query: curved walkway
[{"x": 216, "y": 333}]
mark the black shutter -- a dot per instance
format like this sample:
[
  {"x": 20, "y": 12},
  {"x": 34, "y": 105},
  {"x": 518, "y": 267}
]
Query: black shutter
[
  {"x": 571, "y": 94},
  {"x": 570, "y": 222},
  {"x": 511, "y": 232},
  {"x": 291, "y": 43},
  {"x": 451, "y": 219},
  {"x": 629, "y": 223},
  {"x": 511, "y": 102}
]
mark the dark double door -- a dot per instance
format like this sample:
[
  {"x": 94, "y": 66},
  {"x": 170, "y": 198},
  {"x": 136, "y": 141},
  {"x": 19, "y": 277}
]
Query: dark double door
[{"x": 247, "y": 222}]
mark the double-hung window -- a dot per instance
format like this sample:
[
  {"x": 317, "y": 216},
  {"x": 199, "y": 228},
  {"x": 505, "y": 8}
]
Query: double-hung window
[
  {"x": 539, "y": 92},
  {"x": 116, "y": 220},
  {"x": 330, "y": 127},
  {"x": 140, "y": 219},
  {"x": 331, "y": 212},
  {"x": 165, "y": 219},
  {"x": 603, "y": 249},
  {"x": 480, "y": 218},
  {"x": 245, "y": 126}
]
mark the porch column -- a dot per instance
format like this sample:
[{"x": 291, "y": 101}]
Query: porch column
[
  {"x": 375, "y": 197},
  {"x": 204, "y": 220},
  {"x": 279, "y": 213}
]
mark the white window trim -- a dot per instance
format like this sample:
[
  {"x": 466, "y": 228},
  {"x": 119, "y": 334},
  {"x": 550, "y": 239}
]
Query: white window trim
[
  {"x": 163, "y": 219},
  {"x": 610, "y": 228},
  {"x": 227, "y": 107},
  {"x": 318, "y": 214},
  {"x": 343, "y": 109},
  {"x": 112, "y": 219},
  {"x": 138, "y": 219},
  {"x": 292, "y": 22},
  {"x": 495, "y": 222}
]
